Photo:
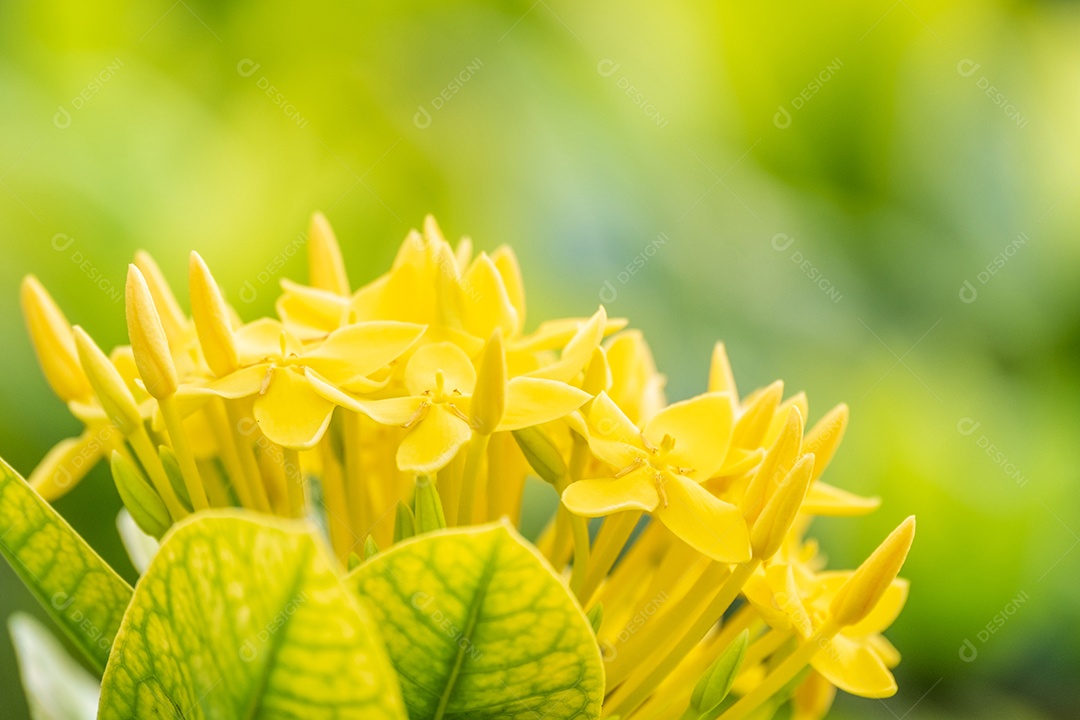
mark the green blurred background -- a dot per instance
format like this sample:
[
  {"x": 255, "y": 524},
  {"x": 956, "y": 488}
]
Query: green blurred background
[{"x": 813, "y": 183}]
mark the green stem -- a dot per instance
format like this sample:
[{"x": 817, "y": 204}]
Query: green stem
[
  {"x": 470, "y": 477},
  {"x": 174, "y": 424}
]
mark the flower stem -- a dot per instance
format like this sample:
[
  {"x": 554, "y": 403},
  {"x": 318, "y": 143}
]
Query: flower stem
[
  {"x": 337, "y": 511},
  {"x": 652, "y": 672},
  {"x": 471, "y": 477},
  {"x": 151, "y": 462},
  {"x": 294, "y": 476},
  {"x": 784, "y": 673},
  {"x": 174, "y": 424},
  {"x": 610, "y": 541},
  {"x": 246, "y": 454}
]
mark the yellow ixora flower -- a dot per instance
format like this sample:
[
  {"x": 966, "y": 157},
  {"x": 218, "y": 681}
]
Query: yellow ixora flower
[
  {"x": 430, "y": 371},
  {"x": 296, "y": 389},
  {"x": 659, "y": 470}
]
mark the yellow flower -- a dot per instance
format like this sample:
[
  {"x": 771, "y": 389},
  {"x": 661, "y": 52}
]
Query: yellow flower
[
  {"x": 297, "y": 388},
  {"x": 659, "y": 470},
  {"x": 440, "y": 380}
]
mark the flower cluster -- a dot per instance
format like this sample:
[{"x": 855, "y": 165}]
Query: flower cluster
[{"x": 420, "y": 401}]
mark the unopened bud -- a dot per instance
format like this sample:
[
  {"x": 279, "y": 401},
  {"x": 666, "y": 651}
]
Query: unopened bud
[{"x": 148, "y": 340}]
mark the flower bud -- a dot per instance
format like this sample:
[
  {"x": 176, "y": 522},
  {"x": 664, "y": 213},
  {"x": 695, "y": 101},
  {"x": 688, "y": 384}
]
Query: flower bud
[
  {"x": 173, "y": 319},
  {"x": 721, "y": 379},
  {"x": 53, "y": 343},
  {"x": 212, "y": 322},
  {"x": 404, "y": 523},
  {"x": 146, "y": 508},
  {"x": 775, "y": 466},
  {"x": 864, "y": 589},
  {"x": 148, "y": 340},
  {"x": 326, "y": 268},
  {"x": 115, "y": 397},
  {"x": 824, "y": 438},
  {"x": 67, "y": 463},
  {"x": 542, "y": 455},
  {"x": 775, "y": 520},
  {"x": 428, "y": 506},
  {"x": 489, "y": 397},
  {"x": 716, "y": 683}
]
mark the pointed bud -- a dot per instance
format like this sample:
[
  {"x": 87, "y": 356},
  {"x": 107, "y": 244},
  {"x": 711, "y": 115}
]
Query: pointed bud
[
  {"x": 176, "y": 476},
  {"x": 353, "y": 561},
  {"x": 53, "y": 343},
  {"x": 148, "y": 340},
  {"x": 596, "y": 617},
  {"x": 212, "y": 321},
  {"x": 864, "y": 589},
  {"x": 489, "y": 398},
  {"x": 716, "y": 683},
  {"x": 371, "y": 548},
  {"x": 67, "y": 463},
  {"x": 775, "y": 520},
  {"x": 146, "y": 508},
  {"x": 173, "y": 318},
  {"x": 721, "y": 379},
  {"x": 824, "y": 438},
  {"x": 404, "y": 523},
  {"x": 428, "y": 506},
  {"x": 326, "y": 268},
  {"x": 759, "y": 409},
  {"x": 115, "y": 397},
  {"x": 597, "y": 374},
  {"x": 775, "y": 466},
  {"x": 542, "y": 454}
]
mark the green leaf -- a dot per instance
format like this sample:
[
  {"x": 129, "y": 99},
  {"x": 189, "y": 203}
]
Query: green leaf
[
  {"x": 241, "y": 616},
  {"x": 428, "y": 506},
  {"x": 75, "y": 586},
  {"x": 405, "y": 523},
  {"x": 57, "y": 687},
  {"x": 479, "y": 626}
]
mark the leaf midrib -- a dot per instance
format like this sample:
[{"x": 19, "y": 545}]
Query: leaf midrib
[
  {"x": 276, "y": 641},
  {"x": 470, "y": 626}
]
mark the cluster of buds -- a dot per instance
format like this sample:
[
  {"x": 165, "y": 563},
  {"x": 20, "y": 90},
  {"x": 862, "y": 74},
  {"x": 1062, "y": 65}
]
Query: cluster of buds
[{"x": 419, "y": 401}]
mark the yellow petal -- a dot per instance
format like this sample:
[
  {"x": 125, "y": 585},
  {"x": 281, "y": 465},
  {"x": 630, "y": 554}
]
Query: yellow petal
[
  {"x": 507, "y": 264},
  {"x": 533, "y": 401},
  {"x": 813, "y": 698},
  {"x": 457, "y": 370},
  {"x": 701, "y": 428},
  {"x": 706, "y": 523},
  {"x": 433, "y": 442},
  {"x": 242, "y": 383},
  {"x": 555, "y": 334},
  {"x": 884, "y": 613},
  {"x": 603, "y": 496},
  {"x": 578, "y": 351},
  {"x": 263, "y": 339},
  {"x": 885, "y": 649},
  {"x": 361, "y": 349},
  {"x": 855, "y": 668},
  {"x": 787, "y": 599},
  {"x": 636, "y": 386},
  {"x": 485, "y": 304},
  {"x": 308, "y": 312},
  {"x": 864, "y": 589},
  {"x": 799, "y": 401},
  {"x": 290, "y": 412},
  {"x": 392, "y": 411},
  {"x": 759, "y": 409},
  {"x": 608, "y": 422},
  {"x": 721, "y": 379},
  {"x": 823, "y": 499}
]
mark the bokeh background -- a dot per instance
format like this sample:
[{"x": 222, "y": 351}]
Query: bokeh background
[{"x": 876, "y": 201}]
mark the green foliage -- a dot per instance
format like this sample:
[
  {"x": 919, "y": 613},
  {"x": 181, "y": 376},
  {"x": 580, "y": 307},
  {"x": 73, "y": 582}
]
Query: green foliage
[
  {"x": 478, "y": 626},
  {"x": 237, "y": 617},
  {"x": 78, "y": 590}
]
